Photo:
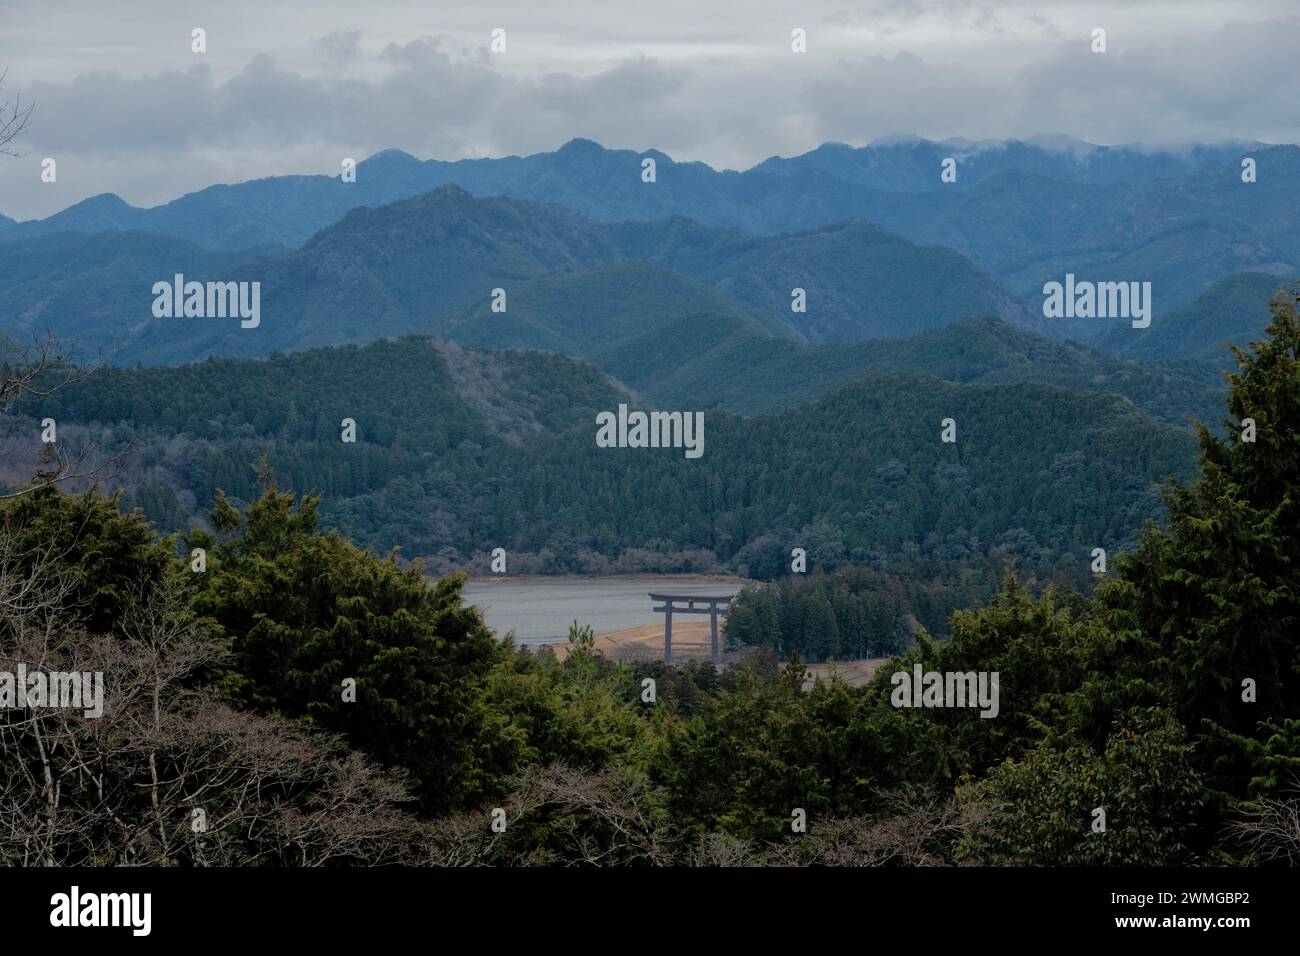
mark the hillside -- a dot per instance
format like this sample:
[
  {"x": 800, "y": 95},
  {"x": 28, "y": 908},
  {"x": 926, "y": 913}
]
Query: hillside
[
  {"x": 725, "y": 363},
  {"x": 859, "y": 279},
  {"x": 1234, "y": 309},
  {"x": 428, "y": 265},
  {"x": 861, "y": 475},
  {"x": 459, "y": 452},
  {"x": 417, "y": 404},
  {"x": 591, "y": 313},
  {"x": 94, "y": 290}
]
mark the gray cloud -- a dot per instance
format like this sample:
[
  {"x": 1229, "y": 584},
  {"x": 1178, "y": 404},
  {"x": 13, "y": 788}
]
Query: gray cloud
[
  {"x": 125, "y": 107},
  {"x": 1236, "y": 82},
  {"x": 340, "y": 47},
  {"x": 878, "y": 96}
]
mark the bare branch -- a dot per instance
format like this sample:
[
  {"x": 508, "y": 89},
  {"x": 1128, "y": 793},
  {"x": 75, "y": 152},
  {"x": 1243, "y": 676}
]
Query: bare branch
[
  {"x": 1269, "y": 828},
  {"x": 37, "y": 371},
  {"x": 14, "y": 120}
]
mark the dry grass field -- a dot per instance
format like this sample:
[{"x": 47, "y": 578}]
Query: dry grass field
[
  {"x": 646, "y": 643},
  {"x": 691, "y": 642},
  {"x": 854, "y": 673}
]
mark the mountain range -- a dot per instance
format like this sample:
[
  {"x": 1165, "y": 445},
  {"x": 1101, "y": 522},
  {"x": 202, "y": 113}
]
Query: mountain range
[
  {"x": 1013, "y": 206},
  {"x": 880, "y": 244},
  {"x": 428, "y": 265},
  {"x": 825, "y": 312}
]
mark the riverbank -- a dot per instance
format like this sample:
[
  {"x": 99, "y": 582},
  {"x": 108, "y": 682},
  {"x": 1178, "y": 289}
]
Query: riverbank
[{"x": 539, "y": 610}]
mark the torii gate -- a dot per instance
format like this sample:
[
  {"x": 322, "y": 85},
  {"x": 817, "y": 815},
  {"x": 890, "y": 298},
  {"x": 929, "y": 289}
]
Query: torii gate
[{"x": 716, "y": 606}]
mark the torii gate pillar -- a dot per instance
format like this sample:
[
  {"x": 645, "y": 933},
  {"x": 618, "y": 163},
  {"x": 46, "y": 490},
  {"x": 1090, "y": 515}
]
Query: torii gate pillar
[{"x": 672, "y": 602}]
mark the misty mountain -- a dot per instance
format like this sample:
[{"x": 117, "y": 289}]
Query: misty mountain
[
  {"x": 1026, "y": 211},
  {"x": 428, "y": 265},
  {"x": 606, "y": 184}
]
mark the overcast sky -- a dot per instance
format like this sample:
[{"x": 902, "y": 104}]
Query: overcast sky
[{"x": 285, "y": 86}]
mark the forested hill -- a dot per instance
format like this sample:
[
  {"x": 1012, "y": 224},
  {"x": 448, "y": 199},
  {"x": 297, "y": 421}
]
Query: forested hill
[
  {"x": 1234, "y": 309},
  {"x": 202, "y": 427},
  {"x": 461, "y": 451},
  {"x": 1037, "y": 472},
  {"x": 429, "y": 265},
  {"x": 707, "y": 361}
]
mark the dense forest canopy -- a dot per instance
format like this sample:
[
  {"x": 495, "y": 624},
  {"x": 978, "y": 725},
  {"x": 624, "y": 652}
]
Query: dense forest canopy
[
  {"x": 461, "y": 451},
  {"x": 1166, "y": 697}
]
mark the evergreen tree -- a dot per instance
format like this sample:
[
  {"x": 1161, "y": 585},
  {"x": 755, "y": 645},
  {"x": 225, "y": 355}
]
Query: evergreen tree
[
  {"x": 114, "y": 559},
  {"x": 307, "y": 612},
  {"x": 1211, "y": 605}
]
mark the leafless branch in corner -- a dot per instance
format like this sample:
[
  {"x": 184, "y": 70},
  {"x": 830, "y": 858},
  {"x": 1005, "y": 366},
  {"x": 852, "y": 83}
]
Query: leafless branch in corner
[
  {"x": 14, "y": 119},
  {"x": 37, "y": 371},
  {"x": 1269, "y": 828}
]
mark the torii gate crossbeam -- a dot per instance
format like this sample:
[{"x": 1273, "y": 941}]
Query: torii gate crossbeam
[{"x": 717, "y": 606}]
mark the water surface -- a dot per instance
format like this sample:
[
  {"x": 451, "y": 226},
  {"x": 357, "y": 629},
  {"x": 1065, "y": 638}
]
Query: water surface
[{"x": 540, "y": 610}]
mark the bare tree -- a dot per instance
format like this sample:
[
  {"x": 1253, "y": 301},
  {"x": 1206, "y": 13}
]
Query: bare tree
[
  {"x": 36, "y": 586},
  {"x": 724, "y": 850},
  {"x": 169, "y": 773},
  {"x": 920, "y": 829},
  {"x": 44, "y": 367},
  {"x": 557, "y": 815},
  {"x": 1269, "y": 828},
  {"x": 38, "y": 371}
]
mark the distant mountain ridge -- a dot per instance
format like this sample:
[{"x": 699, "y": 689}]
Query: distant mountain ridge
[
  {"x": 890, "y": 165},
  {"x": 428, "y": 265},
  {"x": 908, "y": 163},
  {"x": 1025, "y": 211}
]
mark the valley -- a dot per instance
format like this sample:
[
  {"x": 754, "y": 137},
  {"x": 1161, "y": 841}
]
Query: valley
[
  {"x": 538, "y": 611},
  {"x": 479, "y": 322},
  {"x": 616, "y": 439}
]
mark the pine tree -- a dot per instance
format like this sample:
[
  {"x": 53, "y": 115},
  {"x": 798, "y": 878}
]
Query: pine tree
[
  {"x": 795, "y": 674},
  {"x": 1213, "y": 602}
]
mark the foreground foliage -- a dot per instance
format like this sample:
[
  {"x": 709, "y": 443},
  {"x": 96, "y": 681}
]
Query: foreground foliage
[{"x": 1166, "y": 700}]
